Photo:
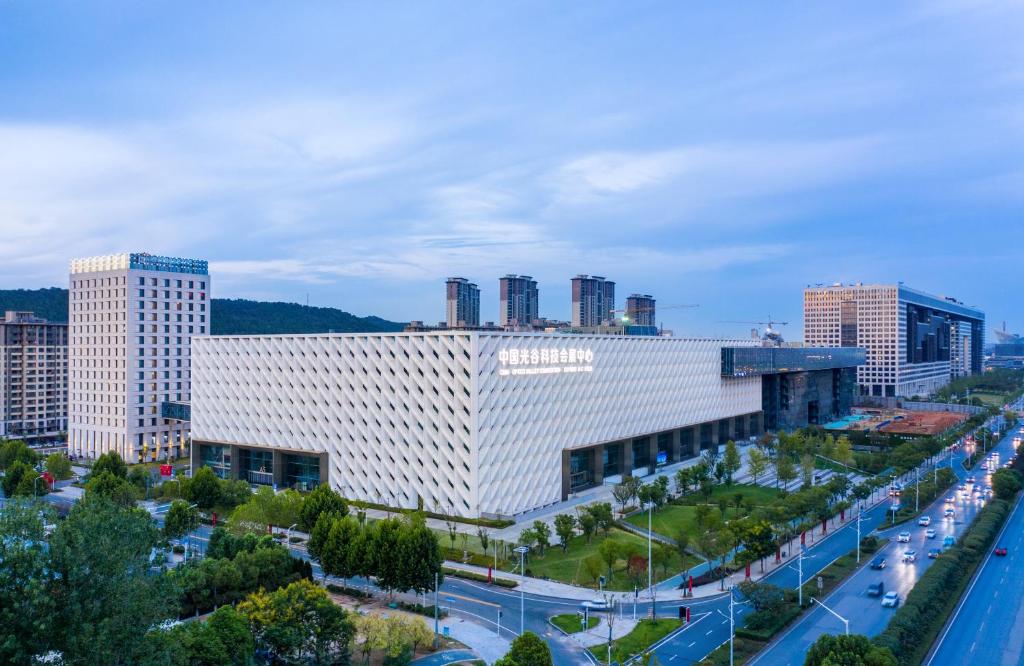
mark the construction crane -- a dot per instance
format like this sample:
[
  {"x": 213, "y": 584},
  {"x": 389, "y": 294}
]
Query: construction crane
[{"x": 770, "y": 334}]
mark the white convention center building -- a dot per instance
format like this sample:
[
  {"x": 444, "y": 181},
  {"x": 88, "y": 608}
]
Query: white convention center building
[{"x": 476, "y": 423}]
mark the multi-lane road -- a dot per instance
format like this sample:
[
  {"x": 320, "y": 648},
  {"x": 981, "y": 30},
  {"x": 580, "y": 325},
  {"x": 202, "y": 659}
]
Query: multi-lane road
[
  {"x": 850, "y": 600},
  {"x": 986, "y": 626}
]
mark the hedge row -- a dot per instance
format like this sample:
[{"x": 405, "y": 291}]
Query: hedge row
[
  {"x": 927, "y": 606},
  {"x": 480, "y": 578},
  {"x": 786, "y": 614},
  {"x": 482, "y": 522}
]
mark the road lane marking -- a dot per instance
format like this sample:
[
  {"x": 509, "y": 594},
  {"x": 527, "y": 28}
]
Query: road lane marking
[
  {"x": 709, "y": 632},
  {"x": 692, "y": 644}
]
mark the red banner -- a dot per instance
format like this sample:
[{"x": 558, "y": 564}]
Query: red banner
[{"x": 166, "y": 470}]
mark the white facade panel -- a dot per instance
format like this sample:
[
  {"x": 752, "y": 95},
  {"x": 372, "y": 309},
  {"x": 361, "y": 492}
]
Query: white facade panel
[{"x": 447, "y": 417}]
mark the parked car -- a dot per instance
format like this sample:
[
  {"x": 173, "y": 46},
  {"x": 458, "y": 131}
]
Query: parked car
[
  {"x": 903, "y": 537},
  {"x": 876, "y": 589},
  {"x": 933, "y": 553},
  {"x": 924, "y": 521},
  {"x": 929, "y": 533},
  {"x": 891, "y": 600},
  {"x": 878, "y": 563},
  {"x": 1001, "y": 551},
  {"x": 910, "y": 555}
]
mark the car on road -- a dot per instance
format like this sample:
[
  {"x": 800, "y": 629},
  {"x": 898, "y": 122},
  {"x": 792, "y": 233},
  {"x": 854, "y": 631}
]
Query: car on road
[
  {"x": 878, "y": 563},
  {"x": 910, "y": 555},
  {"x": 924, "y": 521},
  {"x": 595, "y": 604},
  {"x": 903, "y": 537},
  {"x": 929, "y": 533},
  {"x": 1001, "y": 551},
  {"x": 948, "y": 541},
  {"x": 891, "y": 600},
  {"x": 876, "y": 589},
  {"x": 970, "y": 479},
  {"x": 950, "y": 500},
  {"x": 949, "y": 513},
  {"x": 933, "y": 553},
  {"x": 962, "y": 488}
]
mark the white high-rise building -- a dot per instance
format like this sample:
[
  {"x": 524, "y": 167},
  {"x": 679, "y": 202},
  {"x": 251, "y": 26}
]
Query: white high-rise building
[
  {"x": 915, "y": 342},
  {"x": 131, "y": 319}
]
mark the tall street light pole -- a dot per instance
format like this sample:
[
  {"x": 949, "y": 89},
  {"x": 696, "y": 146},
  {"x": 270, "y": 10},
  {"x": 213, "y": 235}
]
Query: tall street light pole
[
  {"x": 522, "y": 550},
  {"x": 650, "y": 509}
]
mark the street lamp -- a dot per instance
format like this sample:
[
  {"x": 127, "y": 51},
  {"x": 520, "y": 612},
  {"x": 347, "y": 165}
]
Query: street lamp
[
  {"x": 650, "y": 509},
  {"x": 522, "y": 550},
  {"x": 846, "y": 623}
]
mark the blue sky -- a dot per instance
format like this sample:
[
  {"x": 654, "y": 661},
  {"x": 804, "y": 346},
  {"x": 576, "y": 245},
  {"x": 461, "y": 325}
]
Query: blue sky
[{"x": 361, "y": 152}]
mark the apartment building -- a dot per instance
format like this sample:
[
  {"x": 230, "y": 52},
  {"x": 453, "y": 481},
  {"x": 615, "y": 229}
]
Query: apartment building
[
  {"x": 640, "y": 310},
  {"x": 131, "y": 320},
  {"x": 518, "y": 301},
  {"x": 916, "y": 342},
  {"x": 33, "y": 378},
  {"x": 462, "y": 303},
  {"x": 593, "y": 300}
]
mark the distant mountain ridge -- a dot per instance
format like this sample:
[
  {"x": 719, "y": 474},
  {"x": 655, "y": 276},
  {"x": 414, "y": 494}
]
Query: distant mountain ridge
[{"x": 228, "y": 316}]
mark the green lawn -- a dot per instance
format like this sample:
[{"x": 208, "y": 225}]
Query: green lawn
[
  {"x": 569, "y": 567},
  {"x": 671, "y": 518},
  {"x": 571, "y": 623},
  {"x": 646, "y": 633},
  {"x": 995, "y": 399}
]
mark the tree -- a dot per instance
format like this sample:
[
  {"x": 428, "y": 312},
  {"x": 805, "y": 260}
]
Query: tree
[
  {"x": 757, "y": 462},
  {"x": 181, "y": 519},
  {"x": 339, "y": 553},
  {"x": 661, "y": 556},
  {"x": 609, "y": 552},
  {"x": 593, "y": 565},
  {"x": 710, "y": 459},
  {"x": 322, "y": 500},
  {"x": 542, "y": 534},
  {"x": 683, "y": 479},
  {"x": 762, "y": 596},
  {"x": 785, "y": 470},
  {"x": 116, "y": 489},
  {"x": 15, "y": 450},
  {"x": 706, "y": 488},
  {"x": 58, "y": 465},
  {"x": 420, "y": 556},
  {"x": 29, "y": 483},
  {"x": 1006, "y": 483},
  {"x": 99, "y": 559},
  {"x": 374, "y": 631},
  {"x": 603, "y": 517},
  {"x": 384, "y": 545},
  {"x": 634, "y": 484},
  {"x": 587, "y": 523},
  {"x": 731, "y": 461},
  {"x": 807, "y": 469},
  {"x": 844, "y": 450},
  {"x": 299, "y": 623},
  {"x": 565, "y": 528},
  {"x": 318, "y": 536},
  {"x": 264, "y": 508},
  {"x": 528, "y": 649},
  {"x": 682, "y": 543},
  {"x": 12, "y": 477},
  {"x": 26, "y": 605},
  {"x": 203, "y": 488},
  {"x": 111, "y": 462},
  {"x": 484, "y": 536},
  {"x": 855, "y": 650},
  {"x": 659, "y": 491},
  {"x": 622, "y": 493},
  {"x": 719, "y": 472}
]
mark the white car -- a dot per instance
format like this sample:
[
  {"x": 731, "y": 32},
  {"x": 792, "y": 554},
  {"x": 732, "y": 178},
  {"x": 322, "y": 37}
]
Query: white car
[
  {"x": 891, "y": 600},
  {"x": 903, "y": 537},
  {"x": 910, "y": 555},
  {"x": 924, "y": 521},
  {"x": 949, "y": 513},
  {"x": 950, "y": 500},
  {"x": 929, "y": 533},
  {"x": 595, "y": 605}
]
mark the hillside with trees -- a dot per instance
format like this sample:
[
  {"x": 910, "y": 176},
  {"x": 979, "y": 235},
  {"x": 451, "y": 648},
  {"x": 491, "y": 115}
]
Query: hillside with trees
[{"x": 229, "y": 316}]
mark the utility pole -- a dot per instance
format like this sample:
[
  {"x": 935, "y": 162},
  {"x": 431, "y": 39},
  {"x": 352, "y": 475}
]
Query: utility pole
[
  {"x": 859, "y": 511},
  {"x": 437, "y": 635},
  {"x": 800, "y": 586},
  {"x": 650, "y": 509},
  {"x": 917, "y": 490},
  {"x": 732, "y": 625}
]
